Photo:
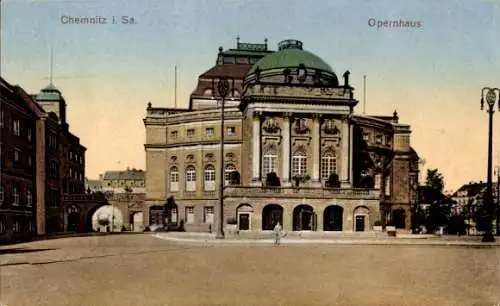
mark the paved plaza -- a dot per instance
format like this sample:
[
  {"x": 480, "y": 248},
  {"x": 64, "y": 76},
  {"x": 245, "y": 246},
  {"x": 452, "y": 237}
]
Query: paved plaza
[{"x": 145, "y": 270}]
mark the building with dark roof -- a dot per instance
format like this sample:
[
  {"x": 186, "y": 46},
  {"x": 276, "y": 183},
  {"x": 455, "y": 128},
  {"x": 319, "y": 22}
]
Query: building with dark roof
[
  {"x": 121, "y": 181},
  {"x": 295, "y": 152}
]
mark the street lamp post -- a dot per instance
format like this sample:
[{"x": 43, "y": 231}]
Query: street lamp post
[
  {"x": 497, "y": 173},
  {"x": 491, "y": 95},
  {"x": 222, "y": 90}
]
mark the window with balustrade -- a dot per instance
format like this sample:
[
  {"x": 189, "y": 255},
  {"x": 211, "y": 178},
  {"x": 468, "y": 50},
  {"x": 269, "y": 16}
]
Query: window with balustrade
[
  {"x": 299, "y": 164},
  {"x": 269, "y": 163},
  {"x": 190, "y": 178},
  {"x": 174, "y": 179},
  {"x": 209, "y": 178},
  {"x": 328, "y": 165},
  {"x": 230, "y": 168}
]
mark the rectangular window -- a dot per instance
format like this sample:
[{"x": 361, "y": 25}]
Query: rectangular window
[
  {"x": 231, "y": 131},
  {"x": 173, "y": 134},
  {"x": 29, "y": 134},
  {"x": 1, "y": 118},
  {"x": 17, "y": 152},
  {"x": 366, "y": 136},
  {"x": 209, "y": 132},
  {"x": 16, "y": 127},
  {"x": 378, "y": 139},
  {"x": 190, "y": 215},
  {"x": 15, "y": 196},
  {"x": 190, "y": 132},
  {"x": 209, "y": 215}
]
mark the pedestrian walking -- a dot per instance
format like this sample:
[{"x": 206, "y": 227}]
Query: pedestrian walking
[{"x": 277, "y": 233}]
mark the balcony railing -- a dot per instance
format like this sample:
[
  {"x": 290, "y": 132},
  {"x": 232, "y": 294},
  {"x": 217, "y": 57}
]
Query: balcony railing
[{"x": 290, "y": 192}]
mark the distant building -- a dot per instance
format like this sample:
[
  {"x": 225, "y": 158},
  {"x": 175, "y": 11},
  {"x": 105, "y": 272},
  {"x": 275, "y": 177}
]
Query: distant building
[
  {"x": 93, "y": 186},
  {"x": 131, "y": 180},
  {"x": 470, "y": 198}
]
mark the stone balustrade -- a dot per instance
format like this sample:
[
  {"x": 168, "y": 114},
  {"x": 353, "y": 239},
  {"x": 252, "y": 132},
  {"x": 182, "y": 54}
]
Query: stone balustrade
[{"x": 303, "y": 192}]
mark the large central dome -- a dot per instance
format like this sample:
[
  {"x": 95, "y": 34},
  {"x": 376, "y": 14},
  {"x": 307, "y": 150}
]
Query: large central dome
[{"x": 290, "y": 55}]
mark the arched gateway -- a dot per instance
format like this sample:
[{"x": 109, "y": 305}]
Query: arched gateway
[
  {"x": 304, "y": 218},
  {"x": 271, "y": 214},
  {"x": 333, "y": 218}
]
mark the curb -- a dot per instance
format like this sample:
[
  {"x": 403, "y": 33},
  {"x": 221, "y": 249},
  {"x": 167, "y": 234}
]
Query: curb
[{"x": 347, "y": 241}]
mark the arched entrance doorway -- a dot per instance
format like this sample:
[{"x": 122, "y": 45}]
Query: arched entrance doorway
[
  {"x": 361, "y": 218},
  {"x": 107, "y": 218},
  {"x": 271, "y": 214},
  {"x": 399, "y": 218},
  {"x": 304, "y": 218},
  {"x": 74, "y": 220},
  {"x": 244, "y": 217},
  {"x": 333, "y": 218},
  {"x": 137, "y": 222},
  {"x": 156, "y": 215}
]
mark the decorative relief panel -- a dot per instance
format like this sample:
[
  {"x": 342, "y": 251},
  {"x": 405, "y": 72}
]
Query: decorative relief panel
[
  {"x": 231, "y": 158},
  {"x": 190, "y": 159},
  {"x": 271, "y": 144},
  {"x": 173, "y": 159},
  {"x": 330, "y": 127},
  {"x": 301, "y": 126},
  {"x": 209, "y": 158},
  {"x": 301, "y": 145},
  {"x": 329, "y": 146},
  {"x": 271, "y": 126}
]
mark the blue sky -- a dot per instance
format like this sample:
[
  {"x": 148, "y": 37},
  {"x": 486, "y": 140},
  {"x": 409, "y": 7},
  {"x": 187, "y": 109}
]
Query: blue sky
[{"x": 432, "y": 75}]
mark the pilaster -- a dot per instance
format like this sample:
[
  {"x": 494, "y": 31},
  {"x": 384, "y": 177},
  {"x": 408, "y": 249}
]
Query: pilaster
[
  {"x": 256, "y": 139},
  {"x": 315, "y": 151},
  {"x": 40, "y": 176},
  {"x": 285, "y": 175},
  {"x": 345, "y": 154}
]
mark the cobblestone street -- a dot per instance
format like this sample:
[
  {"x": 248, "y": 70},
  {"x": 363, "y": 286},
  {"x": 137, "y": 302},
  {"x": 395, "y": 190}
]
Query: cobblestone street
[{"x": 143, "y": 270}]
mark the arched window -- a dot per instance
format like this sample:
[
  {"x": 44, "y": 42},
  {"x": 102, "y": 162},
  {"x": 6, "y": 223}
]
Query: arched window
[
  {"x": 269, "y": 163},
  {"x": 15, "y": 195},
  {"x": 174, "y": 179},
  {"x": 227, "y": 173},
  {"x": 328, "y": 165},
  {"x": 190, "y": 178},
  {"x": 209, "y": 178},
  {"x": 29, "y": 198},
  {"x": 299, "y": 164}
]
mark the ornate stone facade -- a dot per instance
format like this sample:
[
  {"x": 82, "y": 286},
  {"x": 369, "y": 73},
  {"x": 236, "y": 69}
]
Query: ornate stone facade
[{"x": 295, "y": 152}]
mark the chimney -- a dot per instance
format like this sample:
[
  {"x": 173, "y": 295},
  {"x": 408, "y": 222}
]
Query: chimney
[{"x": 101, "y": 176}]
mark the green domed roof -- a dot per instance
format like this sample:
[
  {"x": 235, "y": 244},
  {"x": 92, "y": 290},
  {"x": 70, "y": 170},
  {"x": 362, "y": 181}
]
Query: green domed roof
[
  {"x": 49, "y": 93},
  {"x": 290, "y": 55}
]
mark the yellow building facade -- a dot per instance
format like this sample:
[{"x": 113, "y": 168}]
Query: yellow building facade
[{"x": 295, "y": 151}]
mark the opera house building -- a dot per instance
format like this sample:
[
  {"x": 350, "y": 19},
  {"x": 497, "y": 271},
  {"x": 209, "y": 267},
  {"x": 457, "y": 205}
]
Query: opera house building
[{"x": 296, "y": 150}]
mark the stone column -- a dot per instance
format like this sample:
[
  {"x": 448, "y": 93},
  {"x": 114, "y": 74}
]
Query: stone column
[
  {"x": 40, "y": 176},
  {"x": 345, "y": 155},
  {"x": 285, "y": 158},
  {"x": 316, "y": 152},
  {"x": 256, "y": 149}
]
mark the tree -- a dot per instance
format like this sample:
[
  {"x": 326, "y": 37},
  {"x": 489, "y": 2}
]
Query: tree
[
  {"x": 439, "y": 211},
  {"x": 434, "y": 180},
  {"x": 333, "y": 181},
  {"x": 272, "y": 180}
]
